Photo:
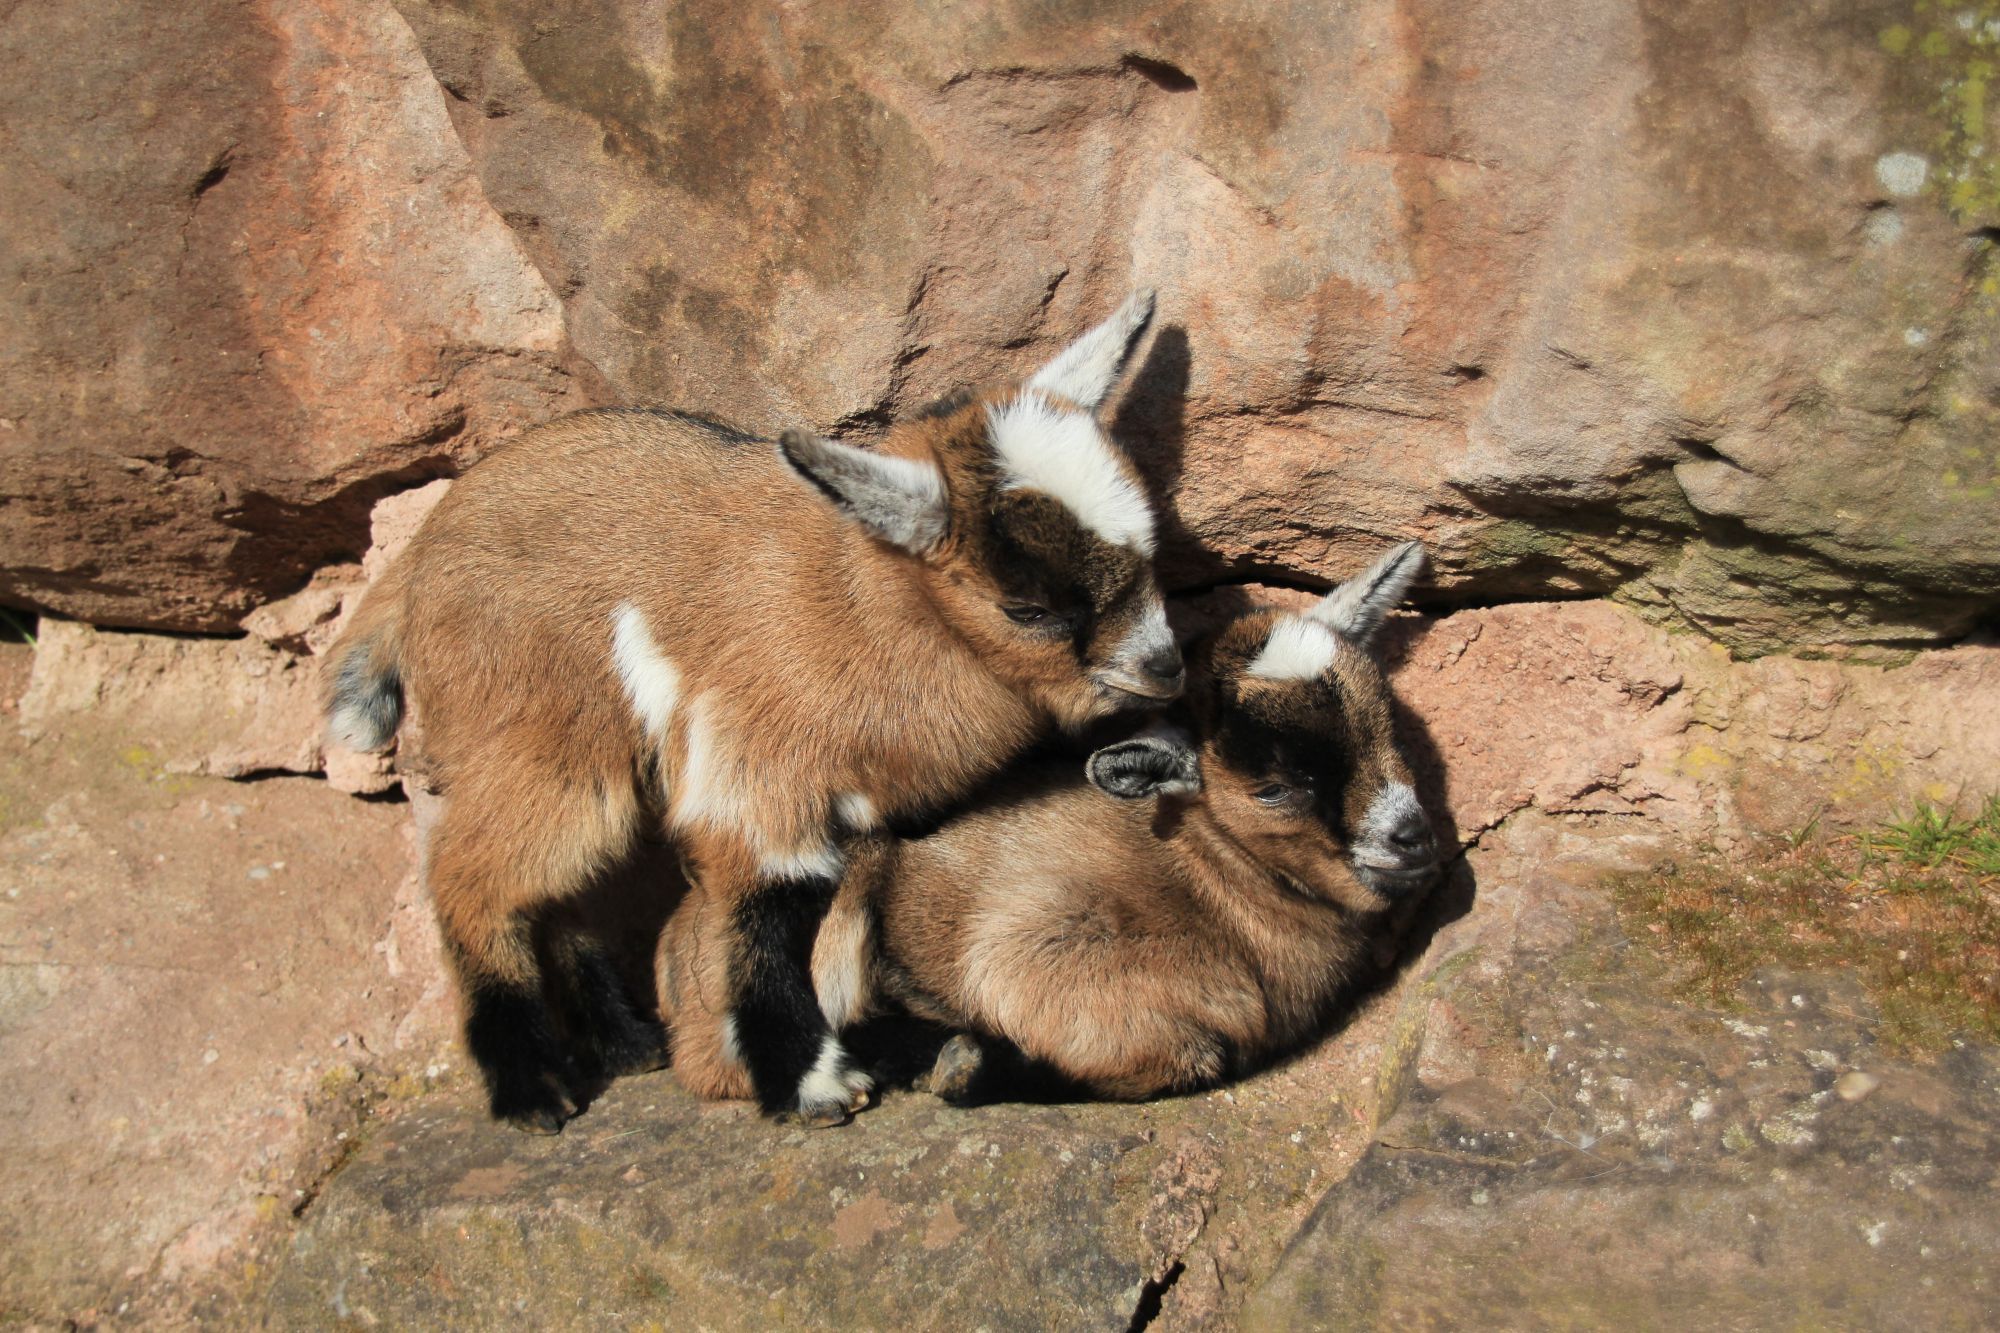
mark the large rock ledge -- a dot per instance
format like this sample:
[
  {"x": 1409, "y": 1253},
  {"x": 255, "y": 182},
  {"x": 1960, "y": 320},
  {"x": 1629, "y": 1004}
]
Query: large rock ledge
[
  {"x": 1550, "y": 1141},
  {"x": 1685, "y": 302},
  {"x": 655, "y": 1209},
  {"x": 1580, "y": 1152},
  {"x": 203, "y": 1099}
]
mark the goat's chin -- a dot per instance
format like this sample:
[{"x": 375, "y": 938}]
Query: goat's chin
[
  {"x": 1078, "y": 707},
  {"x": 1396, "y": 884}
]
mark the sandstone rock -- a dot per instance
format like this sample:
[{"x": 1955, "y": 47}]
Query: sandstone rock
[
  {"x": 1547, "y": 1130},
  {"x": 253, "y": 285},
  {"x": 1619, "y": 301},
  {"x": 1007, "y": 1216},
  {"x": 1577, "y": 709},
  {"x": 224, "y": 707},
  {"x": 203, "y": 987},
  {"x": 1689, "y": 304},
  {"x": 1598, "y": 1169},
  {"x": 232, "y": 708},
  {"x": 651, "y": 1206}
]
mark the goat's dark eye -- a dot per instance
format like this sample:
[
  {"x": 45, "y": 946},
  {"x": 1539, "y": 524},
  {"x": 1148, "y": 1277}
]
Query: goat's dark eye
[
  {"x": 1027, "y": 615},
  {"x": 1277, "y": 793}
]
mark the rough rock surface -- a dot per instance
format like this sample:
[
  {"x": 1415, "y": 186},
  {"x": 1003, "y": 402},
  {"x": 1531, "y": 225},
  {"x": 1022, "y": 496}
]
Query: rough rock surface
[
  {"x": 1578, "y": 1151},
  {"x": 251, "y": 285},
  {"x": 1582, "y": 708},
  {"x": 232, "y": 708},
  {"x": 1550, "y": 1142},
  {"x": 203, "y": 984},
  {"x": 1692, "y": 304},
  {"x": 1563, "y": 739},
  {"x": 920, "y": 1215}
]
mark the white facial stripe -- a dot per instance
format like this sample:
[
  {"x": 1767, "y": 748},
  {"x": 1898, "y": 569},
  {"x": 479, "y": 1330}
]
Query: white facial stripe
[
  {"x": 651, "y": 682},
  {"x": 1066, "y": 455},
  {"x": 1149, "y": 636},
  {"x": 1298, "y": 649}
]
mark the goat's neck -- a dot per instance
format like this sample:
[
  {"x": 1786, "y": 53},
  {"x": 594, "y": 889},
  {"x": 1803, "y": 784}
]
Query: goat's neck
[
  {"x": 1297, "y": 944},
  {"x": 973, "y": 721}
]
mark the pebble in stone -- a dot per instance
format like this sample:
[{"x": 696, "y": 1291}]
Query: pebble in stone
[{"x": 1854, "y": 1085}]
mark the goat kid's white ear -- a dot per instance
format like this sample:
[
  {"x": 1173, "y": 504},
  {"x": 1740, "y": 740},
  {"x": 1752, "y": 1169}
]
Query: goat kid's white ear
[
  {"x": 900, "y": 500},
  {"x": 1148, "y": 766},
  {"x": 1355, "y": 610},
  {"x": 1085, "y": 370}
]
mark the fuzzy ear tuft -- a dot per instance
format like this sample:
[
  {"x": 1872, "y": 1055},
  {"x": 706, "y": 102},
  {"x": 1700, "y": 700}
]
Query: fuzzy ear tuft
[
  {"x": 900, "y": 500},
  {"x": 1357, "y": 607},
  {"x": 1084, "y": 371},
  {"x": 1147, "y": 766}
]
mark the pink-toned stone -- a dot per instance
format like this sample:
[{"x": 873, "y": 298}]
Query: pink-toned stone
[
  {"x": 1615, "y": 300},
  {"x": 1583, "y": 708},
  {"x": 394, "y": 520},
  {"x": 307, "y": 621},
  {"x": 222, "y": 707},
  {"x": 253, "y": 284},
  {"x": 202, "y": 983},
  {"x": 1505, "y": 277}
]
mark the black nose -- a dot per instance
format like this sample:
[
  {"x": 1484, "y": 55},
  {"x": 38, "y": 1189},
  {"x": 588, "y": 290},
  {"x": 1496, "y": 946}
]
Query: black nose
[
  {"x": 1413, "y": 834},
  {"x": 1164, "y": 665}
]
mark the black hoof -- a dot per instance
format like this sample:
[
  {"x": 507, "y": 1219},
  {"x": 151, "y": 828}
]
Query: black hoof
[
  {"x": 829, "y": 1117},
  {"x": 642, "y": 1051},
  {"x": 543, "y": 1120},
  {"x": 535, "y": 1108},
  {"x": 955, "y": 1076}
]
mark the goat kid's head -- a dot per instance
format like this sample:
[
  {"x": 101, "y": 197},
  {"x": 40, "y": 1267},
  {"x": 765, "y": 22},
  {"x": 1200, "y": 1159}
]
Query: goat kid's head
[
  {"x": 1031, "y": 529},
  {"x": 1296, "y": 758}
]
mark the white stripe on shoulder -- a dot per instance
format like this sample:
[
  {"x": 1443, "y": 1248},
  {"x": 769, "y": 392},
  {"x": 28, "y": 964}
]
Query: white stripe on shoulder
[
  {"x": 821, "y": 862},
  {"x": 1298, "y": 649},
  {"x": 855, "y": 811},
  {"x": 1066, "y": 455},
  {"x": 651, "y": 682},
  {"x": 708, "y": 789}
]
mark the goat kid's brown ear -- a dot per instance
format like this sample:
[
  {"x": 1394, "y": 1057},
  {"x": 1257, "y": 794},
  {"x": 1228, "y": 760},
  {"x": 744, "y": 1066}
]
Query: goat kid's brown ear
[
  {"x": 900, "y": 500},
  {"x": 1084, "y": 371},
  {"x": 1149, "y": 766},
  {"x": 1355, "y": 610}
]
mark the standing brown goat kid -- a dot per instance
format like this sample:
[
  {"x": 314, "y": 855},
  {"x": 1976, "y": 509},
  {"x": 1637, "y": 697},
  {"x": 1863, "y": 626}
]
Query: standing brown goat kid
[
  {"x": 635, "y": 617},
  {"x": 1199, "y": 923}
]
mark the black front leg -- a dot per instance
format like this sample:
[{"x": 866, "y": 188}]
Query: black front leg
[
  {"x": 609, "y": 1036},
  {"x": 796, "y": 1063},
  {"x": 511, "y": 1033}
]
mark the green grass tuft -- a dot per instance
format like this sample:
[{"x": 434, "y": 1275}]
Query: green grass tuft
[{"x": 1933, "y": 836}]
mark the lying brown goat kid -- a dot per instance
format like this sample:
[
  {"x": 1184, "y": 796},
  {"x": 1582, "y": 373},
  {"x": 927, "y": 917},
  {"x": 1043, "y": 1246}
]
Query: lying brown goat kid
[{"x": 1197, "y": 924}]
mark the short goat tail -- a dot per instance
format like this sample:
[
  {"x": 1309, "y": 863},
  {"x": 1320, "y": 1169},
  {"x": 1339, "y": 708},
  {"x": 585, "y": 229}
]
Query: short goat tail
[{"x": 362, "y": 682}]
